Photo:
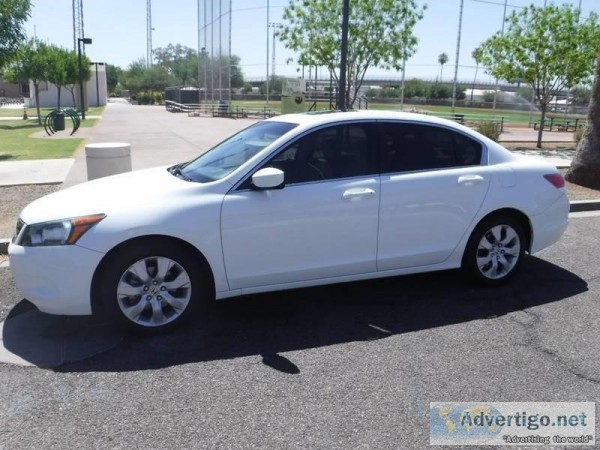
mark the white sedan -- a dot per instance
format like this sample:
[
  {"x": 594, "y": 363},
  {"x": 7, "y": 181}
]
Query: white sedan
[{"x": 293, "y": 201}]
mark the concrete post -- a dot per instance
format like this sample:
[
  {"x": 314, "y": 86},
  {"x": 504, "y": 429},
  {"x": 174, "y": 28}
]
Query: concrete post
[{"x": 109, "y": 158}]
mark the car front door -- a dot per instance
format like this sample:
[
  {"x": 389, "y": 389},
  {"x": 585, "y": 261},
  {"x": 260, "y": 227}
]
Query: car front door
[
  {"x": 432, "y": 185},
  {"x": 322, "y": 224}
]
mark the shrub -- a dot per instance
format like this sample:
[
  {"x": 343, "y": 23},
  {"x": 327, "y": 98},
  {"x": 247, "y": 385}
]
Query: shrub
[
  {"x": 439, "y": 91},
  {"x": 158, "y": 98},
  {"x": 371, "y": 93},
  {"x": 578, "y": 134},
  {"x": 488, "y": 96},
  {"x": 489, "y": 128}
]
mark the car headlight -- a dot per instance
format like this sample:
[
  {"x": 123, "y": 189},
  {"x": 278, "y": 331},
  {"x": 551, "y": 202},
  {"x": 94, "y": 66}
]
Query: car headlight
[{"x": 56, "y": 232}]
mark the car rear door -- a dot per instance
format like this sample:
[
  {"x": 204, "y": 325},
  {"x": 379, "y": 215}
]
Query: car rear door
[{"x": 432, "y": 185}]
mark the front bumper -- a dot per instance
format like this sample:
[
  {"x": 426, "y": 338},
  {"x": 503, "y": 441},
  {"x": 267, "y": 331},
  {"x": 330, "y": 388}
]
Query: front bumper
[{"x": 56, "y": 279}]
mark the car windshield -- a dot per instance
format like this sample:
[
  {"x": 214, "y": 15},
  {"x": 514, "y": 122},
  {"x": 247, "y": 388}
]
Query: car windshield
[{"x": 230, "y": 154}]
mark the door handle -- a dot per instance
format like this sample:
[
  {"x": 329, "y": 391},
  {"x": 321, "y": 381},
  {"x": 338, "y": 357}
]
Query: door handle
[
  {"x": 469, "y": 180},
  {"x": 357, "y": 193}
]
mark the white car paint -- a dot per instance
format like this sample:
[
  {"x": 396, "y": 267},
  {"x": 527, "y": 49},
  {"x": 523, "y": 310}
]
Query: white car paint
[{"x": 303, "y": 235}]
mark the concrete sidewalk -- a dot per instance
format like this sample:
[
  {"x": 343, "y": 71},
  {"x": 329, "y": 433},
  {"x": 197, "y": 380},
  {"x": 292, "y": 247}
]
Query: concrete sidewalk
[
  {"x": 157, "y": 137},
  {"x": 161, "y": 138}
]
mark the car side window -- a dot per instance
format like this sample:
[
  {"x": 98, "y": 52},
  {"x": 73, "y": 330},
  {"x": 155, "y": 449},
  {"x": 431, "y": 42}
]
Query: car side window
[
  {"x": 409, "y": 147},
  {"x": 341, "y": 151}
]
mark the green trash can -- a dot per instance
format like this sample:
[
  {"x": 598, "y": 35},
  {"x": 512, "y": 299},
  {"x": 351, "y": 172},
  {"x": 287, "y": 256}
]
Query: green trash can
[{"x": 58, "y": 121}]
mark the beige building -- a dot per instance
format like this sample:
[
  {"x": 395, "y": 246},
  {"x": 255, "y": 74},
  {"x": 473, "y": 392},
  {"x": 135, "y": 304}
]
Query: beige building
[{"x": 95, "y": 91}]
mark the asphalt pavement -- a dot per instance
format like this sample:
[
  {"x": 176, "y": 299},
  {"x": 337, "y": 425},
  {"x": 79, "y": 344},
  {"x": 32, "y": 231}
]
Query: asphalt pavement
[{"x": 353, "y": 365}]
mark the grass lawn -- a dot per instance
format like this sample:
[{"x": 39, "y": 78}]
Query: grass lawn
[
  {"x": 510, "y": 117},
  {"x": 32, "y": 112},
  {"x": 16, "y": 143}
]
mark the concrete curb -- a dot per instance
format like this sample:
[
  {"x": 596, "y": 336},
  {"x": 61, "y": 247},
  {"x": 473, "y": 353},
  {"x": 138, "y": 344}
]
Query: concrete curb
[{"x": 584, "y": 205}]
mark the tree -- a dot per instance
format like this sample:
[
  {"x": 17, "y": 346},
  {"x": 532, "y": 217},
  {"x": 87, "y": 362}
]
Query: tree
[
  {"x": 57, "y": 68},
  {"x": 32, "y": 65},
  {"x": 247, "y": 88},
  {"x": 549, "y": 48},
  {"x": 442, "y": 59},
  {"x": 585, "y": 167},
  {"x": 476, "y": 55},
  {"x": 181, "y": 63},
  {"x": 275, "y": 85},
  {"x": 113, "y": 74},
  {"x": 439, "y": 91},
  {"x": 72, "y": 70},
  {"x": 380, "y": 34},
  {"x": 415, "y": 88},
  {"x": 184, "y": 69},
  {"x": 581, "y": 95},
  {"x": 13, "y": 15},
  {"x": 237, "y": 76}
]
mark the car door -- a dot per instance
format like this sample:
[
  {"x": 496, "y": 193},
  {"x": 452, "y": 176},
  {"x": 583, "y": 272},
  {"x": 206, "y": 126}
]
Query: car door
[
  {"x": 432, "y": 185},
  {"x": 322, "y": 224}
]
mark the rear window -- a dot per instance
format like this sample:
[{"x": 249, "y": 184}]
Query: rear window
[{"x": 409, "y": 147}]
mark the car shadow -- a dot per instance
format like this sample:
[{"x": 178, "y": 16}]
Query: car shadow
[{"x": 271, "y": 324}]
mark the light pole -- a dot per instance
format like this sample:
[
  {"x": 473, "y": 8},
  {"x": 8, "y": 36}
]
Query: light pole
[
  {"x": 460, "y": 18},
  {"x": 267, "y": 85},
  {"x": 79, "y": 41},
  {"x": 501, "y": 33},
  {"x": 274, "y": 25},
  {"x": 343, "y": 56}
]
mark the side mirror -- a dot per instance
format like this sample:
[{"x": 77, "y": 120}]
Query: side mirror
[{"x": 268, "y": 178}]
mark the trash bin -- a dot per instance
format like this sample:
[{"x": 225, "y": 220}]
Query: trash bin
[
  {"x": 58, "y": 120},
  {"x": 223, "y": 107},
  {"x": 108, "y": 158},
  {"x": 460, "y": 118}
]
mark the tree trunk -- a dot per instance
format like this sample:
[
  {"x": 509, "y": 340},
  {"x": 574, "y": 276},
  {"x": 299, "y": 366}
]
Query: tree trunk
[
  {"x": 474, "y": 81},
  {"x": 585, "y": 167},
  {"x": 59, "y": 89},
  {"x": 543, "y": 106},
  {"x": 36, "y": 88}
]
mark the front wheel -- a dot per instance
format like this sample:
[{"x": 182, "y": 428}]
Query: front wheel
[
  {"x": 153, "y": 287},
  {"x": 495, "y": 250}
]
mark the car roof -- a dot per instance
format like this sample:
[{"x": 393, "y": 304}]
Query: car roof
[{"x": 325, "y": 117}]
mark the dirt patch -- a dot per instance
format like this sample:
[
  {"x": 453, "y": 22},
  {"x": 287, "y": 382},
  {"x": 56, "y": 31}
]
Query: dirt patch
[{"x": 14, "y": 199}]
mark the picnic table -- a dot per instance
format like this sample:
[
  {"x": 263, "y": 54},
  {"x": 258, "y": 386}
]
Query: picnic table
[{"x": 556, "y": 124}]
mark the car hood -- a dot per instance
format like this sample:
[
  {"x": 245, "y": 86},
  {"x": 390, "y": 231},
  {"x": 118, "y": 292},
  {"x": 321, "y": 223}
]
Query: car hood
[{"x": 110, "y": 194}]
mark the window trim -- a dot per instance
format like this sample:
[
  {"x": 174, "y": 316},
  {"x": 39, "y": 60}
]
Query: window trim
[
  {"x": 484, "y": 159},
  {"x": 373, "y": 122}
]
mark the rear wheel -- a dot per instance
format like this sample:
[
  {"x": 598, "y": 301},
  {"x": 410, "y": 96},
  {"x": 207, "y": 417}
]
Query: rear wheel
[
  {"x": 495, "y": 250},
  {"x": 153, "y": 287}
]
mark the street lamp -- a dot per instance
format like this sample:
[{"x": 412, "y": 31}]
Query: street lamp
[
  {"x": 79, "y": 41},
  {"x": 274, "y": 25}
]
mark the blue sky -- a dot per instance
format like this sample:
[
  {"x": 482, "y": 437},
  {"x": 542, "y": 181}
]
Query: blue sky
[{"x": 118, "y": 30}]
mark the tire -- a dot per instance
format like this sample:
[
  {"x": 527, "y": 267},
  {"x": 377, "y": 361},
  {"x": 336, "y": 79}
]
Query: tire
[
  {"x": 495, "y": 250},
  {"x": 153, "y": 287}
]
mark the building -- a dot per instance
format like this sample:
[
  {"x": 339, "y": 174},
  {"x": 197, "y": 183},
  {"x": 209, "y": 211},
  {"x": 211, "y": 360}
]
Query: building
[{"x": 95, "y": 91}]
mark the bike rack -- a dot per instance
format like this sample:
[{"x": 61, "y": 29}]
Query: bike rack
[{"x": 70, "y": 112}]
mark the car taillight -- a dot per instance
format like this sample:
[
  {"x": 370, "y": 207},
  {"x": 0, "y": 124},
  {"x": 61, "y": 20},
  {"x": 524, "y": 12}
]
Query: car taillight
[{"x": 556, "y": 179}]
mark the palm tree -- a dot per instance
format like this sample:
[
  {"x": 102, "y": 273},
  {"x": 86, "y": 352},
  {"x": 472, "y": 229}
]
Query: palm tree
[
  {"x": 442, "y": 59},
  {"x": 585, "y": 167},
  {"x": 475, "y": 54}
]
